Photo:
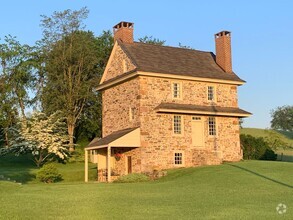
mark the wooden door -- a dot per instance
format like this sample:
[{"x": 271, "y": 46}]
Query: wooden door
[
  {"x": 197, "y": 132},
  {"x": 129, "y": 164}
]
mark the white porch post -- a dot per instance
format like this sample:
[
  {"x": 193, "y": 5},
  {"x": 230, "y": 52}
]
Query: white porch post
[
  {"x": 108, "y": 164},
  {"x": 86, "y": 166}
]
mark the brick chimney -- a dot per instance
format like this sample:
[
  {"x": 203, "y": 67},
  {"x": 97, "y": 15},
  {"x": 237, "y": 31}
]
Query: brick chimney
[
  {"x": 124, "y": 32},
  {"x": 223, "y": 50}
]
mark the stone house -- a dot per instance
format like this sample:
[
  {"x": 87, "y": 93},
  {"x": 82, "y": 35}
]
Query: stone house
[{"x": 166, "y": 107}]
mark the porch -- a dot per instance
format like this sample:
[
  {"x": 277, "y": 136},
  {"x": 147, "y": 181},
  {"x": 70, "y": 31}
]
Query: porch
[{"x": 109, "y": 151}]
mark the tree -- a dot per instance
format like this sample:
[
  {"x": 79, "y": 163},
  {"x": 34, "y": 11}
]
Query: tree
[
  {"x": 151, "y": 40},
  {"x": 282, "y": 118},
  {"x": 45, "y": 137},
  {"x": 184, "y": 46},
  {"x": 274, "y": 139},
  {"x": 105, "y": 43},
  {"x": 17, "y": 72},
  {"x": 90, "y": 123},
  {"x": 256, "y": 148},
  {"x": 16, "y": 79},
  {"x": 70, "y": 65}
]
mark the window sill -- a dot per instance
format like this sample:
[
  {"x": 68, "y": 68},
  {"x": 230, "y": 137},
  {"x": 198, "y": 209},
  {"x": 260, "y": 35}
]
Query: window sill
[
  {"x": 178, "y": 165},
  {"x": 178, "y": 135}
]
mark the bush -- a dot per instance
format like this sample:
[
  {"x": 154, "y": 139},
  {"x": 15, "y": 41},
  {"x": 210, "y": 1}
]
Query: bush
[
  {"x": 132, "y": 178},
  {"x": 49, "y": 174},
  {"x": 256, "y": 148},
  {"x": 269, "y": 155}
]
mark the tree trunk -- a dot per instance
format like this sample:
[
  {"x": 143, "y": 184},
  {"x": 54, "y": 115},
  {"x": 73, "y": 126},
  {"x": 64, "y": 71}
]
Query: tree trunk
[
  {"x": 22, "y": 108},
  {"x": 21, "y": 105},
  {"x": 71, "y": 127},
  {"x": 6, "y": 137},
  {"x": 39, "y": 160}
]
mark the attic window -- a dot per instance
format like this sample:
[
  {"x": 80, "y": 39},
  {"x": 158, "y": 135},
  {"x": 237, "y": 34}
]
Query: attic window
[{"x": 176, "y": 90}]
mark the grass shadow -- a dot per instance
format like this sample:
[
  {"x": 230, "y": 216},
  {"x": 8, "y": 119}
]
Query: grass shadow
[
  {"x": 260, "y": 175},
  {"x": 20, "y": 169}
]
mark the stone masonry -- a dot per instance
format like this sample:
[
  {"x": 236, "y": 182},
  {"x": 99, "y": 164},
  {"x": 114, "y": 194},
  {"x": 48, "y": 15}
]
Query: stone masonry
[
  {"x": 133, "y": 103},
  {"x": 158, "y": 143}
]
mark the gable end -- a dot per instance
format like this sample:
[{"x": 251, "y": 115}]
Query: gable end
[{"x": 118, "y": 63}]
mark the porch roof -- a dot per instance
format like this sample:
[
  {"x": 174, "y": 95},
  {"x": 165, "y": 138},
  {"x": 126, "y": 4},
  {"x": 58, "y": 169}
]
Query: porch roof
[
  {"x": 129, "y": 137},
  {"x": 201, "y": 110}
]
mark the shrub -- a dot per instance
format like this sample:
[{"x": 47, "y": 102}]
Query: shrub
[
  {"x": 269, "y": 155},
  {"x": 256, "y": 148},
  {"x": 49, "y": 174},
  {"x": 132, "y": 178}
]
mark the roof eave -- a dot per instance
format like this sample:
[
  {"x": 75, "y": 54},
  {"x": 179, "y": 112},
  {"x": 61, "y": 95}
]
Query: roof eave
[
  {"x": 196, "y": 112},
  {"x": 119, "y": 79},
  {"x": 192, "y": 78},
  {"x": 136, "y": 72}
]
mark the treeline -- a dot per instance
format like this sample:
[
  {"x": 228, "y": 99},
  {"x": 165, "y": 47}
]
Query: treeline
[
  {"x": 55, "y": 79},
  {"x": 58, "y": 73}
]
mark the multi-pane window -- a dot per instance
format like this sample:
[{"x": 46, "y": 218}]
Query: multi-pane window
[
  {"x": 176, "y": 89},
  {"x": 211, "y": 93},
  {"x": 177, "y": 124},
  {"x": 178, "y": 159},
  {"x": 212, "y": 126}
]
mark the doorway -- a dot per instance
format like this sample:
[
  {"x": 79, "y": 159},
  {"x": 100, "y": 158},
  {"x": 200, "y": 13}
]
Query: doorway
[
  {"x": 197, "y": 132},
  {"x": 129, "y": 164}
]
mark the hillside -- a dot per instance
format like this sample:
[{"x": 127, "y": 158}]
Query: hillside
[{"x": 287, "y": 137}]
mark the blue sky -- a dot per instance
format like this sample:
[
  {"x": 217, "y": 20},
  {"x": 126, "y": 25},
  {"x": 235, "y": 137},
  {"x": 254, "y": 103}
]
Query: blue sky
[{"x": 262, "y": 36}]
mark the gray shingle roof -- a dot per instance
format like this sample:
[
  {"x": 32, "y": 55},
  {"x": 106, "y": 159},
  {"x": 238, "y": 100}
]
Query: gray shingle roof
[
  {"x": 211, "y": 109},
  {"x": 110, "y": 138},
  {"x": 177, "y": 61}
]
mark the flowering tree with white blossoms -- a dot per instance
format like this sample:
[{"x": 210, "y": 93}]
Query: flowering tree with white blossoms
[{"x": 45, "y": 137}]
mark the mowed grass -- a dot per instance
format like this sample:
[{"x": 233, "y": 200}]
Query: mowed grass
[
  {"x": 287, "y": 137},
  {"x": 243, "y": 190},
  {"x": 23, "y": 170}
]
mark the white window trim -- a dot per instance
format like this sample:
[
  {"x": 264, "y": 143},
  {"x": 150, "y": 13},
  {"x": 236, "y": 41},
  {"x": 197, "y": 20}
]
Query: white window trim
[
  {"x": 180, "y": 91},
  {"x": 183, "y": 158},
  {"x": 216, "y": 127},
  {"x": 214, "y": 94},
  {"x": 182, "y": 126}
]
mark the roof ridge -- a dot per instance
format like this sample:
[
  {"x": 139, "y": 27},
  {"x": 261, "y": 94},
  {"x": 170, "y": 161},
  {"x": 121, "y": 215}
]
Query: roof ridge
[{"x": 180, "y": 48}]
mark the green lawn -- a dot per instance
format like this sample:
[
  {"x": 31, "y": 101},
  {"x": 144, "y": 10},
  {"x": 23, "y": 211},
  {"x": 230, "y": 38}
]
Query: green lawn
[
  {"x": 244, "y": 190},
  {"x": 287, "y": 137}
]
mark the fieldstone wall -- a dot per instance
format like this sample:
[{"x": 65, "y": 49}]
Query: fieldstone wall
[
  {"x": 158, "y": 141},
  {"x": 117, "y": 102},
  {"x": 121, "y": 165},
  {"x": 193, "y": 92}
]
